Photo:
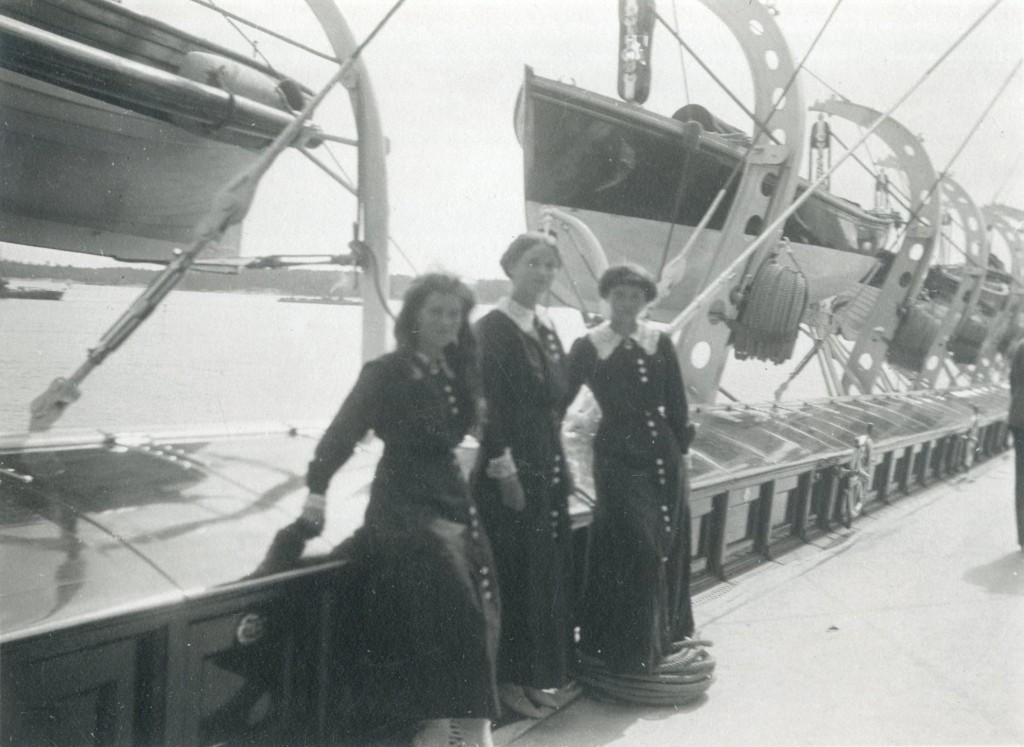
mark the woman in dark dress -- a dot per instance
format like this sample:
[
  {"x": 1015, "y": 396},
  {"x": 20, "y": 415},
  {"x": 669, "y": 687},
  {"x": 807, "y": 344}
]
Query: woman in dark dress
[
  {"x": 430, "y": 608},
  {"x": 636, "y": 600},
  {"x": 521, "y": 482}
]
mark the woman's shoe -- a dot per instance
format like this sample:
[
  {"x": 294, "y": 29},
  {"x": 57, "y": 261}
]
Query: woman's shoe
[
  {"x": 556, "y": 697},
  {"x": 514, "y": 698}
]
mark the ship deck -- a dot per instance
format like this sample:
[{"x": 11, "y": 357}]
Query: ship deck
[{"x": 905, "y": 629}]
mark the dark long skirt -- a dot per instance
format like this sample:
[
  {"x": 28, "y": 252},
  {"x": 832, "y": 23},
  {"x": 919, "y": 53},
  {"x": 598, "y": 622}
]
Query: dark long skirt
[
  {"x": 533, "y": 552},
  {"x": 429, "y": 614},
  {"x": 636, "y": 600}
]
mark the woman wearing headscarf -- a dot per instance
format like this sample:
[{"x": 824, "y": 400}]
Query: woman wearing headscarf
[
  {"x": 636, "y": 599},
  {"x": 521, "y": 482},
  {"x": 430, "y": 613}
]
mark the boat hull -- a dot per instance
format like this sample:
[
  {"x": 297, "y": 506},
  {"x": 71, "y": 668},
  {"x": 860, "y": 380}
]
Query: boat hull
[
  {"x": 27, "y": 293},
  {"x": 85, "y": 176},
  {"x": 642, "y": 183}
]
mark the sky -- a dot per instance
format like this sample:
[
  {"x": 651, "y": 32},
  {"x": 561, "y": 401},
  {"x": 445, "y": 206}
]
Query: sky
[{"x": 446, "y": 74}]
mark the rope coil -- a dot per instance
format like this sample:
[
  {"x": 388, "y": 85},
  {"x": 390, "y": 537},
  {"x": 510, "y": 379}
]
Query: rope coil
[
  {"x": 769, "y": 318},
  {"x": 681, "y": 678}
]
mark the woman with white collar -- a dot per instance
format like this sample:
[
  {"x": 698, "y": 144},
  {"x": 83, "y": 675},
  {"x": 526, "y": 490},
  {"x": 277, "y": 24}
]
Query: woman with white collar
[
  {"x": 521, "y": 483},
  {"x": 636, "y": 600}
]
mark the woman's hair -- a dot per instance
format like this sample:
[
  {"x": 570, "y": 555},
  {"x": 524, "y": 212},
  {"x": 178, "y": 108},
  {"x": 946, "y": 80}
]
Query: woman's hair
[
  {"x": 462, "y": 355},
  {"x": 523, "y": 243},
  {"x": 628, "y": 274}
]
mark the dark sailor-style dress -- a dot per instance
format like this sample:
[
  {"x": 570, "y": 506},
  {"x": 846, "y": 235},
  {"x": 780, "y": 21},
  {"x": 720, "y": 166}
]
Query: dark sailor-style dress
[
  {"x": 636, "y": 600},
  {"x": 522, "y": 362},
  {"x": 430, "y": 609}
]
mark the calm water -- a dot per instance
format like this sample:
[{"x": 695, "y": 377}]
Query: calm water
[
  {"x": 214, "y": 358},
  {"x": 200, "y": 357}
]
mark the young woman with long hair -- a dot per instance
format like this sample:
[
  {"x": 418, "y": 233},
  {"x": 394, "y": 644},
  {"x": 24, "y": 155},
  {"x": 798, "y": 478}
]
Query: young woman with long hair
[{"x": 430, "y": 610}]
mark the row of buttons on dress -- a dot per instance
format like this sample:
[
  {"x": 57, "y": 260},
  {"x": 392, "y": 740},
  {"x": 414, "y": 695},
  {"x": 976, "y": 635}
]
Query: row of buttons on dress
[
  {"x": 554, "y": 351},
  {"x": 665, "y": 515},
  {"x": 484, "y": 571},
  {"x": 556, "y": 470},
  {"x": 556, "y": 478},
  {"x": 652, "y": 425},
  {"x": 641, "y": 363},
  {"x": 450, "y": 394},
  {"x": 641, "y": 368}
]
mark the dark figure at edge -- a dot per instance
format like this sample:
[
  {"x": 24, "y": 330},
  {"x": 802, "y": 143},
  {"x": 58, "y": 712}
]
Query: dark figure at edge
[{"x": 1016, "y": 423}]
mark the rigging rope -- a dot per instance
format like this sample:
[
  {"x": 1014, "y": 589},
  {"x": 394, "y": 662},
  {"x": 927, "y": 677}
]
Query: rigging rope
[
  {"x": 404, "y": 255},
  {"x": 902, "y": 199},
  {"x": 1013, "y": 170},
  {"x": 323, "y": 167},
  {"x": 682, "y": 57},
  {"x": 255, "y": 48},
  {"x": 715, "y": 78},
  {"x": 337, "y": 162},
  {"x": 269, "y": 32},
  {"x": 833, "y": 90},
  {"x": 691, "y": 141},
  {"x": 970, "y": 134}
]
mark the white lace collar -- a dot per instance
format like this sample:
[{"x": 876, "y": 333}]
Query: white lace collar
[
  {"x": 522, "y": 316},
  {"x": 605, "y": 339}
]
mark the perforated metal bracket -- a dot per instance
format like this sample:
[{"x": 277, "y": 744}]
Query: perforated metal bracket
[
  {"x": 703, "y": 344},
  {"x": 906, "y": 275}
]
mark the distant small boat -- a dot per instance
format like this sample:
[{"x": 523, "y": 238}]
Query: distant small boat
[
  {"x": 333, "y": 300},
  {"x": 30, "y": 292}
]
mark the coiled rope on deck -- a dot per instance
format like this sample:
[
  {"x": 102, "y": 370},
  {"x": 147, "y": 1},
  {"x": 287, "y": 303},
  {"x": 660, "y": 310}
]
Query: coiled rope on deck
[{"x": 681, "y": 678}]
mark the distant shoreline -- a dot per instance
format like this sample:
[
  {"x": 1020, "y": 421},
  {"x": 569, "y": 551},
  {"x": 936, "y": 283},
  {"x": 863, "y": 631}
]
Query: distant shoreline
[{"x": 291, "y": 282}]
